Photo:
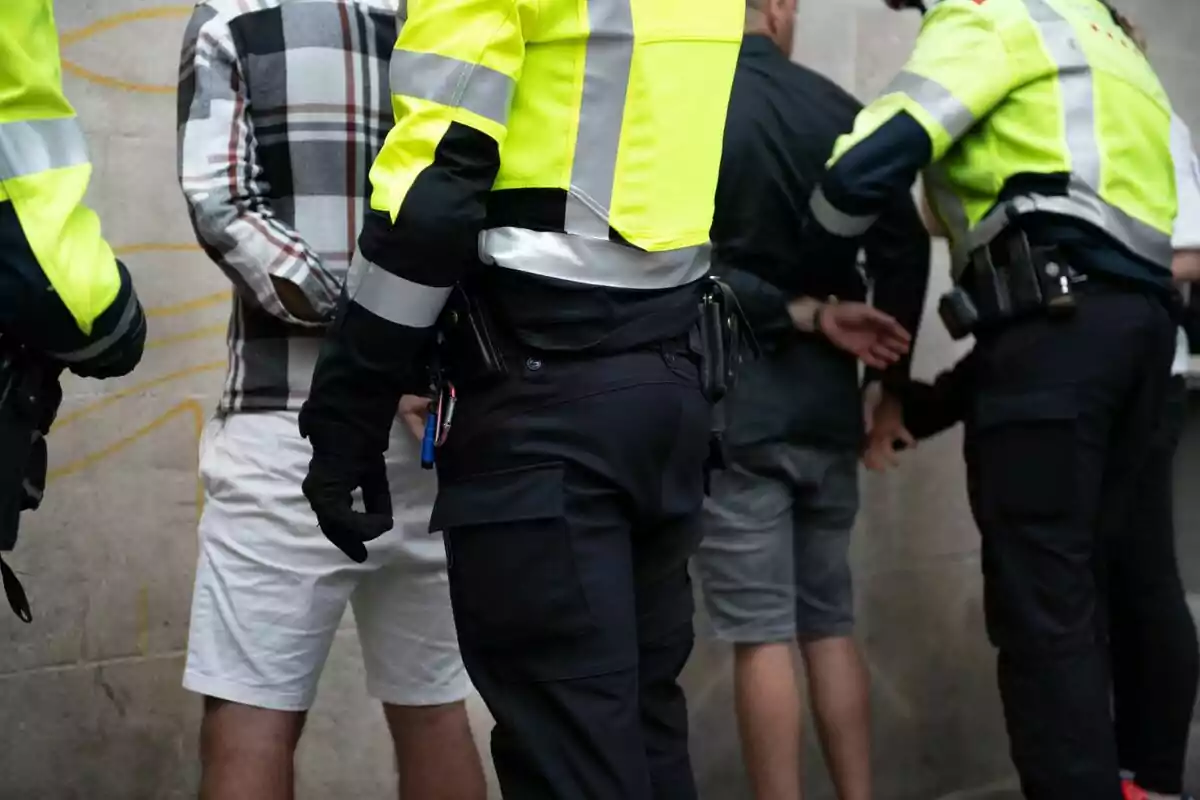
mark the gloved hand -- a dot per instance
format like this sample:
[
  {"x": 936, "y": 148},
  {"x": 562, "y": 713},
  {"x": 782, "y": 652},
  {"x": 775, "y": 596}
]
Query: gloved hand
[
  {"x": 332, "y": 478},
  {"x": 930, "y": 409}
]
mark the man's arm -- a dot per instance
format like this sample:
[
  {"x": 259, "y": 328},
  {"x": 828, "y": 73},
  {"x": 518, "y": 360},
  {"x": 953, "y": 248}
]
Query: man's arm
[
  {"x": 268, "y": 261},
  {"x": 765, "y": 305},
  {"x": 957, "y": 74},
  {"x": 453, "y": 74}
]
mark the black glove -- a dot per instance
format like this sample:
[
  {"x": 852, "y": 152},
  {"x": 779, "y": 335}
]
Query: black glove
[
  {"x": 362, "y": 372},
  {"x": 349, "y": 435},
  {"x": 329, "y": 486}
]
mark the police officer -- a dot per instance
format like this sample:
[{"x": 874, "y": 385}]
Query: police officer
[
  {"x": 1045, "y": 139},
  {"x": 574, "y": 147},
  {"x": 65, "y": 300}
]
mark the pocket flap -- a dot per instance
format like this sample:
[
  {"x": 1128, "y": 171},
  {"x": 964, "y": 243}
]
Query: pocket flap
[
  {"x": 511, "y": 495},
  {"x": 993, "y": 410}
]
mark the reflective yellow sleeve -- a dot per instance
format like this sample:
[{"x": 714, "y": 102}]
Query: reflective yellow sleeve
[
  {"x": 62, "y": 232},
  {"x": 455, "y": 62},
  {"x": 959, "y": 71}
]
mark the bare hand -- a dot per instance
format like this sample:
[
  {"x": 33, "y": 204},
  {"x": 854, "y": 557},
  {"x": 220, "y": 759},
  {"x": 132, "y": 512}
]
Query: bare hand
[
  {"x": 868, "y": 333},
  {"x": 885, "y": 427},
  {"x": 293, "y": 300},
  {"x": 413, "y": 410},
  {"x": 1186, "y": 266}
]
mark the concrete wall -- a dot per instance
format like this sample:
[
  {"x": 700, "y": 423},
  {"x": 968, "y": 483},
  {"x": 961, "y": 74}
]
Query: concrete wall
[{"x": 90, "y": 703}]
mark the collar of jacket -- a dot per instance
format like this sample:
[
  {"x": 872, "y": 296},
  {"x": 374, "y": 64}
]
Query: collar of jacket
[{"x": 757, "y": 44}]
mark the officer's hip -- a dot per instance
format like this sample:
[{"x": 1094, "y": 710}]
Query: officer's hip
[
  {"x": 1012, "y": 279},
  {"x": 577, "y": 407}
]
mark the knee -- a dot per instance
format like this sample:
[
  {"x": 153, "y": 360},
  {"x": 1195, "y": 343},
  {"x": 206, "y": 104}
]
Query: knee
[
  {"x": 406, "y": 721},
  {"x": 232, "y": 730},
  {"x": 751, "y": 657}
]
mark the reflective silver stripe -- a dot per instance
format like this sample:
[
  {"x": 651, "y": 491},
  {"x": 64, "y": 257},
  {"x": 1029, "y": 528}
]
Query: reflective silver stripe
[
  {"x": 601, "y": 112},
  {"x": 394, "y": 298},
  {"x": 130, "y": 314},
  {"x": 1076, "y": 86},
  {"x": 837, "y": 222},
  {"x": 1082, "y": 200},
  {"x": 451, "y": 82},
  {"x": 948, "y": 110},
  {"x": 1082, "y": 203},
  {"x": 33, "y": 146},
  {"x": 597, "y": 262}
]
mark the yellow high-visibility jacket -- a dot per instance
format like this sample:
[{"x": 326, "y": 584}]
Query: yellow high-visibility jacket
[
  {"x": 1017, "y": 107},
  {"x": 582, "y": 139}
]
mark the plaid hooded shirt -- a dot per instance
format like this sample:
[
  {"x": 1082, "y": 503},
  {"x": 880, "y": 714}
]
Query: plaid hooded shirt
[{"x": 283, "y": 105}]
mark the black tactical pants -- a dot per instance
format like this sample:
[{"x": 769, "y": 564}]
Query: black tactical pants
[
  {"x": 1151, "y": 634},
  {"x": 1059, "y": 434},
  {"x": 570, "y": 497}
]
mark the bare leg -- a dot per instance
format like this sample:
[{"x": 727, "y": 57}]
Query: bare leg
[
  {"x": 838, "y": 685},
  {"x": 768, "y": 711},
  {"x": 435, "y": 752},
  {"x": 246, "y": 752}
]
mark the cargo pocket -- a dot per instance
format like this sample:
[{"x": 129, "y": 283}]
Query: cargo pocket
[
  {"x": 513, "y": 575},
  {"x": 1022, "y": 449}
]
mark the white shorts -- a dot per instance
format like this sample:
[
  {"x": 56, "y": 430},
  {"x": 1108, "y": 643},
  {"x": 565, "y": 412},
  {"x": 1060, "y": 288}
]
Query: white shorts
[{"x": 271, "y": 589}]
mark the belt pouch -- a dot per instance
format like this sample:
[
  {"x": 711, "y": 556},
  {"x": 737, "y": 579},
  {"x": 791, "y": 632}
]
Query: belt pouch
[{"x": 468, "y": 348}]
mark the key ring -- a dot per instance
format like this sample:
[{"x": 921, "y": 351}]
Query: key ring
[{"x": 445, "y": 412}]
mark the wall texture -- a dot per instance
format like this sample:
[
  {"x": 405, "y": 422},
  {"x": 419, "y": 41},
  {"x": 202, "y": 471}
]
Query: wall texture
[{"x": 89, "y": 695}]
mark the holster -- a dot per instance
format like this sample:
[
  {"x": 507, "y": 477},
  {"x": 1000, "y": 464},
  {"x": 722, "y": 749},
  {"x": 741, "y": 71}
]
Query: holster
[
  {"x": 1007, "y": 279},
  {"x": 724, "y": 332},
  {"x": 29, "y": 400},
  {"x": 468, "y": 350},
  {"x": 724, "y": 335}
]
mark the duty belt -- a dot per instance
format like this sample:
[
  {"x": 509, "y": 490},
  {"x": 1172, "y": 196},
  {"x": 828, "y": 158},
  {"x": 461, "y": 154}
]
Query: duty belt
[{"x": 1009, "y": 278}]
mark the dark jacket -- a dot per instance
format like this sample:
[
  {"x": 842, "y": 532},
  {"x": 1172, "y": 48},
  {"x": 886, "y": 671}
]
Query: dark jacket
[{"x": 783, "y": 122}]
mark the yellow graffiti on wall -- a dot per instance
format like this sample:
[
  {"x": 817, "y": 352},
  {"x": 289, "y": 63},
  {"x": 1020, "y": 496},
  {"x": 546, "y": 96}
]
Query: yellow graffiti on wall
[
  {"x": 189, "y": 408},
  {"x": 68, "y": 38}
]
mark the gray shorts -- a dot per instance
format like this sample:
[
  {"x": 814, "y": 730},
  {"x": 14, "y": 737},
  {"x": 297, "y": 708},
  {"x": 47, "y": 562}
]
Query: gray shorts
[{"x": 774, "y": 562}]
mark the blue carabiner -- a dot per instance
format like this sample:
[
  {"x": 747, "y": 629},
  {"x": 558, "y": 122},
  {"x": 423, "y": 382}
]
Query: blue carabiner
[{"x": 429, "y": 441}]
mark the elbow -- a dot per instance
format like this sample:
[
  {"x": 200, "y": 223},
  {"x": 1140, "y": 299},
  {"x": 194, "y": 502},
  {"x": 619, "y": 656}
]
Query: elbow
[
  {"x": 437, "y": 230},
  {"x": 422, "y": 239}
]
